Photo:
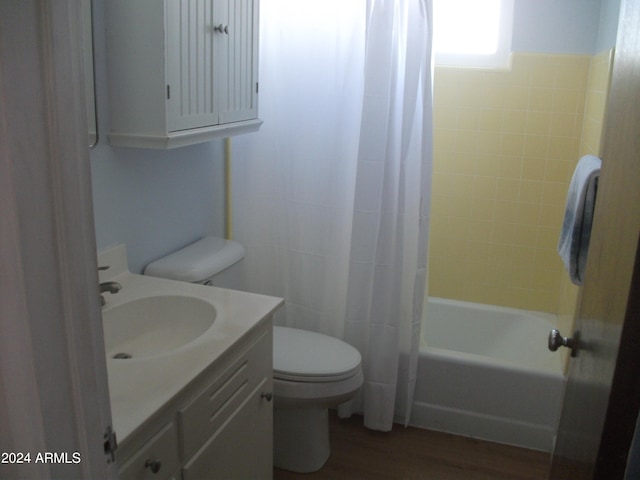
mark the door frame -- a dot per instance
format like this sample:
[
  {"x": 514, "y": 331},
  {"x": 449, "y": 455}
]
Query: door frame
[{"x": 54, "y": 395}]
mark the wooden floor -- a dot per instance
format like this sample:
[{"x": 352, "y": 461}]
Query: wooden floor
[{"x": 413, "y": 453}]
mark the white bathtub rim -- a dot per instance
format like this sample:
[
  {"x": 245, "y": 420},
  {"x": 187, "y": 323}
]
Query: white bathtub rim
[
  {"x": 501, "y": 308},
  {"x": 455, "y": 356}
]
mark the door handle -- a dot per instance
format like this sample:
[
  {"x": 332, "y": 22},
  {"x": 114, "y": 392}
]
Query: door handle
[{"x": 556, "y": 340}]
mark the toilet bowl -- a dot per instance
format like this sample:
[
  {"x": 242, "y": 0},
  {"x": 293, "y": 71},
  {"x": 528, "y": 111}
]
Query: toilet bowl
[{"x": 311, "y": 371}]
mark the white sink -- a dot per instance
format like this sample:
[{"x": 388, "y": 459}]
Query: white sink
[{"x": 155, "y": 325}]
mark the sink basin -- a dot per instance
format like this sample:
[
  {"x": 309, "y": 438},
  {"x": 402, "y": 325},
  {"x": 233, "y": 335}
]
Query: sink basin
[{"x": 155, "y": 325}]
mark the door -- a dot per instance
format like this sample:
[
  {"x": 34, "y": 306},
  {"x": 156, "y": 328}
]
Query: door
[
  {"x": 54, "y": 392},
  {"x": 212, "y": 62},
  {"x": 238, "y": 87},
  {"x": 194, "y": 38},
  {"x": 603, "y": 389},
  {"x": 241, "y": 447}
]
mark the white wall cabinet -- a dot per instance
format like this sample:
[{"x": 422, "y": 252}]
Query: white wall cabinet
[
  {"x": 181, "y": 71},
  {"x": 220, "y": 426}
]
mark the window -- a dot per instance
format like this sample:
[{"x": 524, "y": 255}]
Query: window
[{"x": 473, "y": 33}]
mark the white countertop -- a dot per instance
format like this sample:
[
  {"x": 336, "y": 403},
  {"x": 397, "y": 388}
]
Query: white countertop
[{"x": 140, "y": 387}]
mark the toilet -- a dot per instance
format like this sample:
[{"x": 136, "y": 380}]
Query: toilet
[{"x": 312, "y": 372}]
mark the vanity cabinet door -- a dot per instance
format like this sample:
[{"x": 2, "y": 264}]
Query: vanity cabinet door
[
  {"x": 157, "y": 459},
  {"x": 212, "y": 62},
  {"x": 226, "y": 431},
  {"x": 242, "y": 448},
  {"x": 209, "y": 411}
]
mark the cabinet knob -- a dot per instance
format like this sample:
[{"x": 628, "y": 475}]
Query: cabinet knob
[
  {"x": 221, "y": 29},
  {"x": 153, "y": 465},
  {"x": 267, "y": 396}
]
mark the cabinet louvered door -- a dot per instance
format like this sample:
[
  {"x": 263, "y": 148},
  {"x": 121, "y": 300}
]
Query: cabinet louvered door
[
  {"x": 238, "y": 82},
  {"x": 193, "y": 47},
  {"x": 211, "y": 62}
]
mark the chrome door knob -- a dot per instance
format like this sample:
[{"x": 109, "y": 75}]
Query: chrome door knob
[{"x": 556, "y": 340}]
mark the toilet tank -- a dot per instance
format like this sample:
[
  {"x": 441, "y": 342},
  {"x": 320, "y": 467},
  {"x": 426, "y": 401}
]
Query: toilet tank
[{"x": 209, "y": 261}]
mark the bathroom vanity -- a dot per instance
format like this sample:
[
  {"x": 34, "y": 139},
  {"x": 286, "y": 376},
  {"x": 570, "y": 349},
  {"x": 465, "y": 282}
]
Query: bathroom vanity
[
  {"x": 181, "y": 71},
  {"x": 190, "y": 400}
]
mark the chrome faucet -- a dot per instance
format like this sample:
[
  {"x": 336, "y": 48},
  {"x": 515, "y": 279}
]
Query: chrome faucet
[{"x": 111, "y": 287}]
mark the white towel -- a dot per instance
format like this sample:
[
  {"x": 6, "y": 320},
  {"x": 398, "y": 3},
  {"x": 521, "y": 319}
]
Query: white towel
[{"x": 578, "y": 217}]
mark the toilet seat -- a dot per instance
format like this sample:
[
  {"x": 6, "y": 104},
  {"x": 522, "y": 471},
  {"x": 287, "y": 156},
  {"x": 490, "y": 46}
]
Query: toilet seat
[{"x": 310, "y": 357}]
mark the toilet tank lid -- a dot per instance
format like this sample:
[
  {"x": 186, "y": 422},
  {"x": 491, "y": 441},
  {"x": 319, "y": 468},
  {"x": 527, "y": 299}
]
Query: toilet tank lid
[{"x": 198, "y": 261}]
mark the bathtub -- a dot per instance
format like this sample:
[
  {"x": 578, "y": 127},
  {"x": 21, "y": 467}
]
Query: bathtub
[{"x": 485, "y": 372}]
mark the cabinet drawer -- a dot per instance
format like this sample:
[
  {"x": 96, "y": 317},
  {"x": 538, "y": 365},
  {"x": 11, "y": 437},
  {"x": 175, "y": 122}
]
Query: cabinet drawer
[
  {"x": 161, "y": 453},
  {"x": 229, "y": 389}
]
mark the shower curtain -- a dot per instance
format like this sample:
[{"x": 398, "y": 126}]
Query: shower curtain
[{"x": 331, "y": 197}]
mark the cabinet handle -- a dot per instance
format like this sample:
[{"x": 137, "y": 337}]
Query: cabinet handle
[
  {"x": 267, "y": 396},
  {"x": 153, "y": 465},
  {"x": 221, "y": 29}
]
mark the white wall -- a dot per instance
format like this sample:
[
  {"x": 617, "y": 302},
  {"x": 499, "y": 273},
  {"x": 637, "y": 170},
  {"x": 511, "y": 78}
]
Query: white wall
[
  {"x": 609, "y": 16},
  {"x": 155, "y": 201},
  {"x": 565, "y": 26}
]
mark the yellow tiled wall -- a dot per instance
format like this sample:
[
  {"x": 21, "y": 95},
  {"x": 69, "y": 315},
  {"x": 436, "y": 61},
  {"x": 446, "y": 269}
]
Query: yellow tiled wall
[{"x": 505, "y": 146}]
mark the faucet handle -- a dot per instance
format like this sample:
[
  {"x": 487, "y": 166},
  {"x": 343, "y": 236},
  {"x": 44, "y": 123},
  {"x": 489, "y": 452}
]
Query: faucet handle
[{"x": 111, "y": 287}]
